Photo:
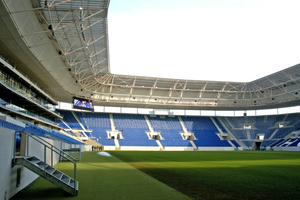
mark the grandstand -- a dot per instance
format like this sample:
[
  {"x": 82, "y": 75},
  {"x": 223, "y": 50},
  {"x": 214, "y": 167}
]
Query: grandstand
[{"x": 55, "y": 51}]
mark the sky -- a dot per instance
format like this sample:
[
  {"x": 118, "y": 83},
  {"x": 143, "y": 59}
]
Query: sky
[{"x": 213, "y": 40}]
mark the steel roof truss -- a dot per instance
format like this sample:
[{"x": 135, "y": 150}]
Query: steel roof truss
[
  {"x": 111, "y": 86},
  {"x": 131, "y": 89},
  {"x": 73, "y": 51},
  {"x": 98, "y": 71},
  {"x": 201, "y": 92},
  {"x": 151, "y": 90},
  {"x": 96, "y": 53},
  {"x": 95, "y": 40},
  {"x": 182, "y": 91},
  {"x": 54, "y": 5},
  {"x": 98, "y": 63},
  {"x": 61, "y": 20},
  {"x": 76, "y": 63},
  {"x": 79, "y": 73},
  {"x": 93, "y": 14},
  {"x": 89, "y": 26}
]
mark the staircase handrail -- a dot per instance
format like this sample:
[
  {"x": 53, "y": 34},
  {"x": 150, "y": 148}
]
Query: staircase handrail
[
  {"x": 53, "y": 149},
  {"x": 60, "y": 152}
]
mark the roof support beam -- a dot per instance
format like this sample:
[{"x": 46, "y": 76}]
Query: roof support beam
[
  {"x": 182, "y": 91},
  {"x": 98, "y": 63},
  {"x": 111, "y": 86},
  {"x": 222, "y": 91},
  {"x": 96, "y": 53},
  {"x": 131, "y": 89},
  {"x": 202, "y": 92},
  {"x": 96, "y": 22},
  {"x": 151, "y": 90},
  {"x": 52, "y": 4},
  {"x": 93, "y": 14}
]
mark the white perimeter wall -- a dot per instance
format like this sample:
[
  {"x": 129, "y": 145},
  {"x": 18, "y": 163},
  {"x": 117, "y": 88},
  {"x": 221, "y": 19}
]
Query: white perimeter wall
[
  {"x": 215, "y": 148},
  {"x": 139, "y": 148},
  {"x": 286, "y": 148},
  {"x": 142, "y": 148}
]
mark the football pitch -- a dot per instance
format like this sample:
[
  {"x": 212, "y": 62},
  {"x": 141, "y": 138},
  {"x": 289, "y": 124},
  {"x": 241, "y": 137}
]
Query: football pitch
[
  {"x": 179, "y": 175},
  {"x": 223, "y": 175}
]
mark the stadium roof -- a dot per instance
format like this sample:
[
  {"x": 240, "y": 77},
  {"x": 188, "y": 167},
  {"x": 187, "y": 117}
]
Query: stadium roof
[{"x": 63, "y": 46}]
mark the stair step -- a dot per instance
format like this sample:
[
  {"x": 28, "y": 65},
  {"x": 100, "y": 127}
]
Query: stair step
[
  {"x": 33, "y": 160},
  {"x": 66, "y": 179},
  {"x": 72, "y": 184},
  {"x": 57, "y": 174},
  {"x": 41, "y": 165},
  {"x": 50, "y": 169}
]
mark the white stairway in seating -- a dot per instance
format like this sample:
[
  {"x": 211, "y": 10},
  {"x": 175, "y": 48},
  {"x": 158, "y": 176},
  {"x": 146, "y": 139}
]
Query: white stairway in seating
[
  {"x": 49, "y": 173},
  {"x": 159, "y": 144},
  {"x": 152, "y": 131},
  {"x": 185, "y": 131},
  {"x": 113, "y": 128},
  {"x": 117, "y": 143},
  {"x": 182, "y": 124},
  {"x": 215, "y": 123},
  {"x": 149, "y": 125},
  {"x": 231, "y": 134},
  {"x": 273, "y": 134},
  {"x": 248, "y": 134},
  {"x": 112, "y": 124},
  {"x": 67, "y": 125},
  {"x": 78, "y": 121},
  {"x": 235, "y": 147},
  {"x": 193, "y": 144}
]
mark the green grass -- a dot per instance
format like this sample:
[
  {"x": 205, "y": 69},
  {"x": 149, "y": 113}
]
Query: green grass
[
  {"x": 102, "y": 177},
  {"x": 222, "y": 175},
  {"x": 179, "y": 175}
]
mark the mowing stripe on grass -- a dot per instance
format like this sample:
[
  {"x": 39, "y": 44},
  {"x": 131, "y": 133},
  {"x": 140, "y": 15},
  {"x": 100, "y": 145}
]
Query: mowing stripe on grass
[
  {"x": 244, "y": 175},
  {"x": 103, "y": 177}
]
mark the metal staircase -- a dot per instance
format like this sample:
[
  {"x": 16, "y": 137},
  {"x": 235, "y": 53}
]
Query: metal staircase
[{"x": 47, "y": 171}]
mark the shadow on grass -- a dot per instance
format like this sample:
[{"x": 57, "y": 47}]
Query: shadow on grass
[
  {"x": 219, "y": 179},
  {"x": 211, "y": 178},
  {"x": 103, "y": 178},
  {"x": 41, "y": 191},
  {"x": 245, "y": 183},
  {"x": 191, "y": 156}
]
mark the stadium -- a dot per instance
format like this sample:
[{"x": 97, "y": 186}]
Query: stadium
[{"x": 72, "y": 129}]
